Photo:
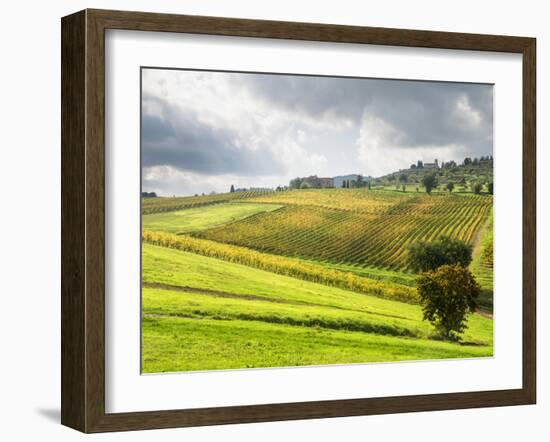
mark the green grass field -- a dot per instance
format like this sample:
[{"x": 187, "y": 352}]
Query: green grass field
[
  {"x": 178, "y": 294},
  {"x": 182, "y": 344},
  {"x": 300, "y": 278},
  {"x": 200, "y": 218}
]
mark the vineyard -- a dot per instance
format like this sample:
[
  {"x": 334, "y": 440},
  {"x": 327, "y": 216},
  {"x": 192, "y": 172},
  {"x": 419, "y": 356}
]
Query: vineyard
[
  {"x": 282, "y": 265},
  {"x": 301, "y": 277},
  {"x": 157, "y": 205},
  {"x": 351, "y": 200},
  {"x": 365, "y": 237},
  {"x": 482, "y": 264}
]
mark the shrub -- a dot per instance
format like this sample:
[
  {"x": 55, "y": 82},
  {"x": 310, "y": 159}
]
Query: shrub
[
  {"x": 424, "y": 256},
  {"x": 447, "y": 295},
  {"x": 295, "y": 183},
  {"x": 429, "y": 182}
]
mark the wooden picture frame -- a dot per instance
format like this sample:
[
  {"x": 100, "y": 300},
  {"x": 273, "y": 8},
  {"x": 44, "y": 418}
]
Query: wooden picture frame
[{"x": 83, "y": 220}]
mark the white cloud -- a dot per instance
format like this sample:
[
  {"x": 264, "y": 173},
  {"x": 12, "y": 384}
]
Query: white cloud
[
  {"x": 168, "y": 181},
  {"x": 381, "y": 149},
  {"x": 204, "y": 131},
  {"x": 467, "y": 114}
]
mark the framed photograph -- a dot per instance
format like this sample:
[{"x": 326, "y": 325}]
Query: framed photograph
[{"x": 269, "y": 221}]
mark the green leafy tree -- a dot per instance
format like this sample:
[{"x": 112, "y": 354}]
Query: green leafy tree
[
  {"x": 450, "y": 186},
  {"x": 429, "y": 182},
  {"x": 447, "y": 296},
  {"x": 296, "y": 183},
  {"x": 476, "y": 187},
  {"x": 232, "y": 188},
  {"x": 403, "y": 178},
  {"x": 426, "y": 256}
]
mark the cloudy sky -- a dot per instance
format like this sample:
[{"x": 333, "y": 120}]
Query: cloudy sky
[{"x": 203, "y": 131}]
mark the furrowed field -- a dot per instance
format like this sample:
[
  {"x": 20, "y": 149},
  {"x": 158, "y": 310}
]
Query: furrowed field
[{"x": 301, "y": 277}]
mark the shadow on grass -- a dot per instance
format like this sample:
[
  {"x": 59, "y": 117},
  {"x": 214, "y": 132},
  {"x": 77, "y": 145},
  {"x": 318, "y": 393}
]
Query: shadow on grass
[
  {"x": 485, "y": 302},
  {"x": 438, "y": 337},
  {"x": 471, "y": 344}
]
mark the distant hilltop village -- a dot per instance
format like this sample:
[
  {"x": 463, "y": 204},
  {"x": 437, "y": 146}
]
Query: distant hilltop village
[
  {"x": 344, "y": 181},
  {"x": 449, "y": 164},
  {"x": 358, "y": 180},
  {"x": 480, "y": 168},
  {"x": 435, "y": 165},
  {"x": 421, "y": 165}
]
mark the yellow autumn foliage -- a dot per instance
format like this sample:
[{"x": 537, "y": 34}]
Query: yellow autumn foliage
[{"x": 282, "y": 265}]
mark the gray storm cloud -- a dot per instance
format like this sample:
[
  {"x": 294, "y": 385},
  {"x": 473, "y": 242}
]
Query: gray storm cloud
[
  {"x": 427, "y": 113},
  {"x": 205, "y": 129},
  {"x": 178, "y": 138}
]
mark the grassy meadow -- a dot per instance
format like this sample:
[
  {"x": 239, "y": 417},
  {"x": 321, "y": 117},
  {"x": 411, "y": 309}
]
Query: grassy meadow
[
  {"x": 301, "y": 277},
  {"x": 200, "y": 218}
]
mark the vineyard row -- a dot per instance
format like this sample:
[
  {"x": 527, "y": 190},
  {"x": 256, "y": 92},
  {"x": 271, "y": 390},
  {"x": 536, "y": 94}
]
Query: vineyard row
[
  {"x": 351, "y": 238},
  {"x": 282, "y": 265}
]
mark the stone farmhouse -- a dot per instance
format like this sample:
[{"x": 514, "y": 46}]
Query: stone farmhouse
[
  {"x": 339, "y": 180},
  {"x": 316, "y": 182},
  {"x": 433, "y": 165}
]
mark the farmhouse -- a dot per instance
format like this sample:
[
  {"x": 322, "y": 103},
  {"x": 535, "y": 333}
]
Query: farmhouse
[
  {"x": 433, "y": 165},
  {"x": 316, "y": 182},
  {"x": 326, "y": 182},
  {"x": 338, "y": 181}
]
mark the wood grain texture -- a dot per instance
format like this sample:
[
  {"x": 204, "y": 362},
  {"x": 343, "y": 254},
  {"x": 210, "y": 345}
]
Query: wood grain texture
[
  {"x": 529, "y": 220},
  {"x": 73, "y": 253},
  {"x": 95, "y": 222},
  {"x": 145, "y": 21},
  {"x": 83, "y": 220}
]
